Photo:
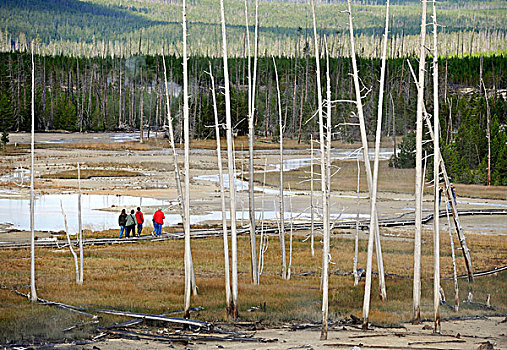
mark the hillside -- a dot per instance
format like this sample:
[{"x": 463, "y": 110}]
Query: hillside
[{"x": 98, "y": 27}]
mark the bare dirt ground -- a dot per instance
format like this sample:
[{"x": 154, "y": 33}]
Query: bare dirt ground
[
  {"x": 61, "y": 152},
  {"x": 470, "y": 334}
]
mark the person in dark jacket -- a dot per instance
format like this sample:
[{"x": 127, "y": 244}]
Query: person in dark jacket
[
  {"x": 140, "y": 221},
  {"x": 122, "y": 221},
  {"x": 131, "y": 224}
]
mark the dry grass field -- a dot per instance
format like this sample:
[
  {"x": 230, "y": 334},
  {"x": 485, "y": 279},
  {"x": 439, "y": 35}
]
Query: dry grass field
[{"x": 148, "y": 278}]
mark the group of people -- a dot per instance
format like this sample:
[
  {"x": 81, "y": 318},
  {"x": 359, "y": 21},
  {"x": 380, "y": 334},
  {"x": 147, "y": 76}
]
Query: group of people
[{"x": 128, "y": 222}]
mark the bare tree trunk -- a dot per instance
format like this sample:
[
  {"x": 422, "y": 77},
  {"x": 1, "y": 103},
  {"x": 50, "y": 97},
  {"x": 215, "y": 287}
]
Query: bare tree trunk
[
  {"x": 251, "y": 96},
  {"x": 366, "y": 156},
  {"x": 80, "y": 225},
  {"x": 282, "y": 210},
  {"x": 356, "y": 238},
  {"x": 186, "y": 207},
  {"x": 418, "y": 175},
  {"x": 222, "y": 198},
  {"x": 454, "y": 272},
  {"x": 373, "y": 199},
  {"x": 141, "y": 112},
  {"x": 290, "y": 236},
  {"x": 231, "y": 168},
  {"x": 323, "y": 178},
  {"x": 70, "y": 243},
  {"x": 488, "y": 130},
  {"x": 311, "y": 199},
  {"x": 436, "y": 177},
  {"x": 33, "y": 290}
]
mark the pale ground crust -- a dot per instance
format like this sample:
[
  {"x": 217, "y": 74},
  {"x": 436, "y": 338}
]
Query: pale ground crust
[{"x": 472, "y": 333}]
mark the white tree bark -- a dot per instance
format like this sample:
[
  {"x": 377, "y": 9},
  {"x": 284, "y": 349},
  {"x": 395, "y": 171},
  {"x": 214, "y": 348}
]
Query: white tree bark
[
  {"x": 222, "y": 198},
  {"x": 231, "y": 169},
  {"x": 356, "y": 238},
  {"x": 251, "y": 135},
  {"x": 290, "y": 236},
  {"x": 323, "y": 178},
  {"x": 176, "y": 167},
  {"x": 312, "y": 225},
  {"x": 418, "y": 171},
  {"x": 80, "y": 225},
  {"x": 373, "y": 199},
  {"x": 366, "y": 157},
  {"x": 453, "y": 255},
  {"x": 282, "y": 210},
  {"x": 436, "y": 182},
  {"x": 33, "y": 290},
  {"x": 70, "y": 243},
  {"x": 186, "y": 224}
]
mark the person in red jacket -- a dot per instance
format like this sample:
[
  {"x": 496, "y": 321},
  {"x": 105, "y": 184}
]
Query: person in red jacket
[
  {"x": 158, "y": 221},
  {"x": 140, "y": 221}
]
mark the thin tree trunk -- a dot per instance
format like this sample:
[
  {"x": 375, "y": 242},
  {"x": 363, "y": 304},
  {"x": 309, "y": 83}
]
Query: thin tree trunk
[
  {"x": 323, "y": 178},
  {"x": 454, "y": 272},
  {"x": 80, "y": 225},
  {"x": 436, "y": 182},
  {"x": 231, "y": 168},
  {"x": 290, "y": 236},
  {"x": 282, "y": 210},
  {"x": 311, "y": 199},
  {"x": 418, "y": 170},
  {"x": 186, "y": 224},
  {"x": 366, "y": 156},
  {"x": 70, "y": 243},
  {"x": 488, "y": 130},
  {"x": 222, "y": 199},
  {"x": 373, "y": 199},
  {"x": 33, "y": 291},
  {"x": 251, "y": 198},
  {"x": 356, "y": 238}
]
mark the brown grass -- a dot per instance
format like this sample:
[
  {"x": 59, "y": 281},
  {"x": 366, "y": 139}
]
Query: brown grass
[
  {"x": 390, "y": 180},
  {"x": 148, "y": 277}
]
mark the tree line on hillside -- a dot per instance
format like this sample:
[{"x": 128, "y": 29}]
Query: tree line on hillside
[{"x": 81, "y": 94}]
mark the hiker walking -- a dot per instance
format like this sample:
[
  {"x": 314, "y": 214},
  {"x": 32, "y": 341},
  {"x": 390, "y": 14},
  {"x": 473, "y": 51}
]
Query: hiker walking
[
  {"x": 158, "y": 221},
  {"x": 131, "y": 224},
  {"x": 140, "y": 221},
  {"x": 122, "y": 222}
]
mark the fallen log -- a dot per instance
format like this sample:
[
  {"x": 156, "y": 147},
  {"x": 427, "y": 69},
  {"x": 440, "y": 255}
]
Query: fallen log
[
  {"x": 138, "y": 320},
  {"x": 181, "y": 321}
]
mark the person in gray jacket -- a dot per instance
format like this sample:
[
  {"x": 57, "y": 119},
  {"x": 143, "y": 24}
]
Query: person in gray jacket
[{"x": 131, "y": 224}]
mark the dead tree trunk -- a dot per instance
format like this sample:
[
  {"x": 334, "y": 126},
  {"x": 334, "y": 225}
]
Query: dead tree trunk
[
  {"x": 418, "y": 172},
  {"x": 231, "y": 169},
  {"x": 222, "y": 199},
  {"x": 33, "y": 290},
  {"x": 373, "y": 199},
  {"x": 323, "y": 178},
  {"x": 366, "y": 157},
  {"x": 436, "y": 182},
  {"x": 282, "y": 210},
  {"x": 80, "y": 225},
  {"x": 312, "y": 224},
  {"x": 186, "y": 224},
  {"x": 251, "y": 198},
  {"x": 70, "y": 243}
]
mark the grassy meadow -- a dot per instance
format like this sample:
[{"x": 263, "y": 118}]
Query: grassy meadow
[{"x": 148, "y": 277}]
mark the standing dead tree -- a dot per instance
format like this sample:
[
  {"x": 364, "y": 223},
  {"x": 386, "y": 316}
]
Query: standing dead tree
[
  {"x": 222, "y": 198},
  {"x": 373, "y": 199},
  {"x": 251, "y": 135},
  {"x": 448, "y": 191},
  {"x": 80, "y": 225},
  {"x": 231, "y": 169},
  {"x": 418, "y": 172},
  {"x": 366, "y": 157},
  {"x": 70, "y": 243},
  {"x": 282, "y": 210},
  {"x": 323, "y": 178},
  {"x": 186, "y": 224},
  {"x": 436, "y": 182},
  {"x": 33, "y": 290}
]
